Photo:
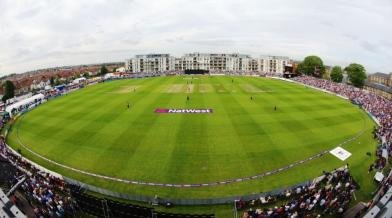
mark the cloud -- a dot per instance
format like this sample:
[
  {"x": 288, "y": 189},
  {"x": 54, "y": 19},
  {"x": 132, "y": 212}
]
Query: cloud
[
  {"x": 54, "y": 33},
  {"x": 369, "y": 46}
]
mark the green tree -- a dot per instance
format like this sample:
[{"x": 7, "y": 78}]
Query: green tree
[
  {"x": 57, "y": 81},
  {"x": 356, "y": 74},
  {"x": 86, "y": 75},
  {"x": 337, "y": 74},
  {"x": 114, "y": 69},
  {"x": 52, "y": 81},
  {"x": 9, "y": 90},
  {"x": 103, "y": 70},
  {"x": 312, "y": 65}
]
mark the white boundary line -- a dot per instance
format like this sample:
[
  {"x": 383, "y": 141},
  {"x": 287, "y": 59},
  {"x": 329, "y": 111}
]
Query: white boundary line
[{"x": 229, "y": 181}]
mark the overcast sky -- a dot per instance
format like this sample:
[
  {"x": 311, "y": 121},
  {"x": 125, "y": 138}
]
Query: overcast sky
[{"x": 39, "y": 34}]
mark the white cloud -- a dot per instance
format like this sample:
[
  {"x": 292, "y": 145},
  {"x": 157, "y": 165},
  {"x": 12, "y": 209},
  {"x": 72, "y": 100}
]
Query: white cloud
[{"x": 38, "y": 34}]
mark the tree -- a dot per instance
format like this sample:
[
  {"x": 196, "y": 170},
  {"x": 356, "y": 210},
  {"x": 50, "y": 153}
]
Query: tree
[
  {"x": 103, "y": 70},
  {"x": 51, "y": 81},
  {"x": 356, "y": 74},
  {"x": 57, "y": 81},
  {"x": 312, "y": 65},
  {"x": 9, "y": 90},
  {"x": 337, "y": 74},
  {"x": 114, "y": 69},
  {"x": 86, "y": 75}
]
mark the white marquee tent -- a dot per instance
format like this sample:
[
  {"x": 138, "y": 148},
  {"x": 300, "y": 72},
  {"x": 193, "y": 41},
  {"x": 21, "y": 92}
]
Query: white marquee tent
[
  {"x": 23, "y": 102},
  {"x": 79, "y": 80}
]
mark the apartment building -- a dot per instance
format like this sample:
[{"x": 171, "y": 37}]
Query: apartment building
[
  {"x": 273, "y": 64},
  {"x": 213, "y": 62},
  {"x": 150, "y": 63},
  {"x": 380, "y": 83},
  {"x": 381, "y": 78}
]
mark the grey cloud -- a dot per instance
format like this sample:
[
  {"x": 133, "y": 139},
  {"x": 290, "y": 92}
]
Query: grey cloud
[
  {"x": 349, "y": 36},
  {"x": 130, "y": 41},
  {"x": 54, "y": 33},
  {"x": 27, "y": 14},
  {"x": 326, "y": 23},
  {"x": 369, "y": 46},
  {"x": 212, "y": 42}
]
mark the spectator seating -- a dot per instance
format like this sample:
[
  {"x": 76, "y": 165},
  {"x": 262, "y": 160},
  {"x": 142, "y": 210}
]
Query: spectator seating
[{"x": 101, "y": 206}]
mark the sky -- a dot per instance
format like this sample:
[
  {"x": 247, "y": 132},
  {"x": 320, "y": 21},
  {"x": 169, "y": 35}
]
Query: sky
[{"x": 49, "y": 33}]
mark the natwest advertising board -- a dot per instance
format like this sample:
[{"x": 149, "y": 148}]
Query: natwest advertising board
[{"x": 183, "y": 111}]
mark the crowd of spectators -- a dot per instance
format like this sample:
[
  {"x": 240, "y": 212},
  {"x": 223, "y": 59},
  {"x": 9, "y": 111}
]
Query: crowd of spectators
[
  {"x": 245, "y": 73},
  {"x": 329, "y": 194},
  {"x": 379, "y": 107},
  {"x": 2, "y": 123},
  {"x": 46, "y": 194}
]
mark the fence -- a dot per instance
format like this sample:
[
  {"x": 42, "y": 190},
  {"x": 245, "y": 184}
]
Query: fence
[{"x": 159, "y": 200}]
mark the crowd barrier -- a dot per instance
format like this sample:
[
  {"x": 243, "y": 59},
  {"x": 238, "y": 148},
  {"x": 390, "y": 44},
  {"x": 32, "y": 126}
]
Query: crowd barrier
[
  {"x": 159, "y": 200},
  {"x": 372, "y": 117}
]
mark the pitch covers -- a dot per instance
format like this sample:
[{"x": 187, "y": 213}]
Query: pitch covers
[{"x": 340, "y": 153}]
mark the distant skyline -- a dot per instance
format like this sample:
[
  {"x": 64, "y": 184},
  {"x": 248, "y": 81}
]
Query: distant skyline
[{"x": 50, "y": 33}]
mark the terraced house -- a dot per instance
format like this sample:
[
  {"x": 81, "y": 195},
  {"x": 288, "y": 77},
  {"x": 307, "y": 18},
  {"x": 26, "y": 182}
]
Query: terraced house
[{"x": 380, "y": 83}]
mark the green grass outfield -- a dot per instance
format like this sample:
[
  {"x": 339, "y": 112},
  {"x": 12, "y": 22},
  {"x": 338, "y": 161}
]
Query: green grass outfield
[{"x": 93, "y": 130}]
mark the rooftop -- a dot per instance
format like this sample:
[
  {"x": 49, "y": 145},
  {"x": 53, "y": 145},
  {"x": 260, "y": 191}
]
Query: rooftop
[
  {"x": 380, "y": 87},
  {"x": 386, "y": 76}
]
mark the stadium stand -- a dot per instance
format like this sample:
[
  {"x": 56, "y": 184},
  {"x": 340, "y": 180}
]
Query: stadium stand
[
  {"x": 329, "y": 194},
  {"x": 193, "y": 72},
  {"x": 48, "y": 196},
  {"x": 381, "y": 204},
  {"x": 7, "y": 208},
  {"x": 7, "y": 173},
  {"x": 103, "y": 207}
]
